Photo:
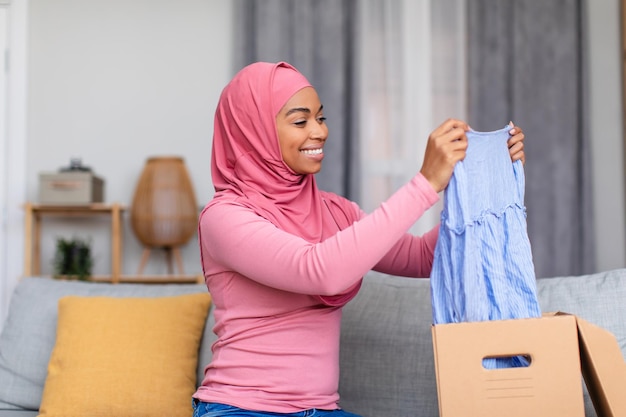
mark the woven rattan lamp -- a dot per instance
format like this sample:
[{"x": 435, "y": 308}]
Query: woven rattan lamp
[{"x": 164, "y": 212}]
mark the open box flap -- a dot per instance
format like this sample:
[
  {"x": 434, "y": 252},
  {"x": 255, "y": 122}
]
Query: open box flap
[{"x": 603, "y": 368}]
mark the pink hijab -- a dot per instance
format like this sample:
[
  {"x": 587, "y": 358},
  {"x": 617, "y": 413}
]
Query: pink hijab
[{"x": 246, "y": 162}]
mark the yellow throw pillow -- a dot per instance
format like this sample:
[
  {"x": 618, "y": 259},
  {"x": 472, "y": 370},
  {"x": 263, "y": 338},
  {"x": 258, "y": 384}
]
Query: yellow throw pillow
[{"x": 125, "y": 356}]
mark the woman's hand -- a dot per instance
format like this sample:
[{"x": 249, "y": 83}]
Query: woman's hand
[
  {"x": 446, "y": 146},
  {"x": 516, "y": 144}
]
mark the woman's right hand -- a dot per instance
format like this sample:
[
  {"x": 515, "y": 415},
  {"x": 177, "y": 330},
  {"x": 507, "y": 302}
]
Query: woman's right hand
[{"x": 446, "y": 146}]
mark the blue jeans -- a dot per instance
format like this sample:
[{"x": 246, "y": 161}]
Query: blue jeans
[{"x": 202, "y": 409}]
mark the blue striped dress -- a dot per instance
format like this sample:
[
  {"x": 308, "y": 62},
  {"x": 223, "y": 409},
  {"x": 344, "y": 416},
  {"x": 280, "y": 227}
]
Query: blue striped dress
[{"x": 483, "y": 267}]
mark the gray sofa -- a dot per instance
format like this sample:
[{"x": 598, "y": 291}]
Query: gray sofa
[{"x": 387, "y": 365}]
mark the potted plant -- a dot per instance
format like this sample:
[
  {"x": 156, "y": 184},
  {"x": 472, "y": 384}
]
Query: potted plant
[{"x": 73, "y": 259}]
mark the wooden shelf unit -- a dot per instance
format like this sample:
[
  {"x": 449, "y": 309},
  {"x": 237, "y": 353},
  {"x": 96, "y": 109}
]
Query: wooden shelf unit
[
  {"x": 32, "y": 230},
  {"x": 32, "y": 242}
]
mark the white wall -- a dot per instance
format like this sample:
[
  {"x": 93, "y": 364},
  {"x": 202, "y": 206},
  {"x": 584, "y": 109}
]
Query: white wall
[
  {"x": 13, "y": 158},
  {"x": 4, "y": 45},
  {"x": 114, "y": 82}
]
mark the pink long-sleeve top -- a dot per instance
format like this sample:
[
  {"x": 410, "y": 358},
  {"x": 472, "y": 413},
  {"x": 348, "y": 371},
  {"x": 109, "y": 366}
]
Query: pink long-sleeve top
[{"x": 278, "y": 344}]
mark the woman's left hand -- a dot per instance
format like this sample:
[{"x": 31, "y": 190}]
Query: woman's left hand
[{"x": 516, "y": 144}]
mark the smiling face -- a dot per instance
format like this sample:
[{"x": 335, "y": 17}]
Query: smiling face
[{"x": 302, "y": 132}]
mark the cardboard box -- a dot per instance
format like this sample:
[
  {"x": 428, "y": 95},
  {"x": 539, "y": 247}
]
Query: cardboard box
[
  {"x": 557, "y": 344},
  {"x": 70, "y": 188}
]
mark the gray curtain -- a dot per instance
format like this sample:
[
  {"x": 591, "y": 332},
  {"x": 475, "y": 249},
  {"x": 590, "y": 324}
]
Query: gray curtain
[
  {"x": 317, "y": 38},
  {"x": 527, "y": 64}
]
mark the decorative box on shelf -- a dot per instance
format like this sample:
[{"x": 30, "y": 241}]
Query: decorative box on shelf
[{"x": 70, "y": 188}]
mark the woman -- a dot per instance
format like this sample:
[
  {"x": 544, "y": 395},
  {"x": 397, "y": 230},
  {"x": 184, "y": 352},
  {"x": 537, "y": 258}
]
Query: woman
[{"x": 281, "y": 257}]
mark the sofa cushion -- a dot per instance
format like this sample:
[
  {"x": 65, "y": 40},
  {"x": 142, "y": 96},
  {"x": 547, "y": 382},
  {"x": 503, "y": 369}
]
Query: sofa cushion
[
  {"x": 29, "y": 333},
  {"x": 387, "y": 365},
  {"x": 125, "y": 356}
]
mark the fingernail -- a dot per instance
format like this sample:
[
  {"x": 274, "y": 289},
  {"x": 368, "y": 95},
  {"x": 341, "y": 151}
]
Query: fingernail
[{"x": 511, "y": 131}]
